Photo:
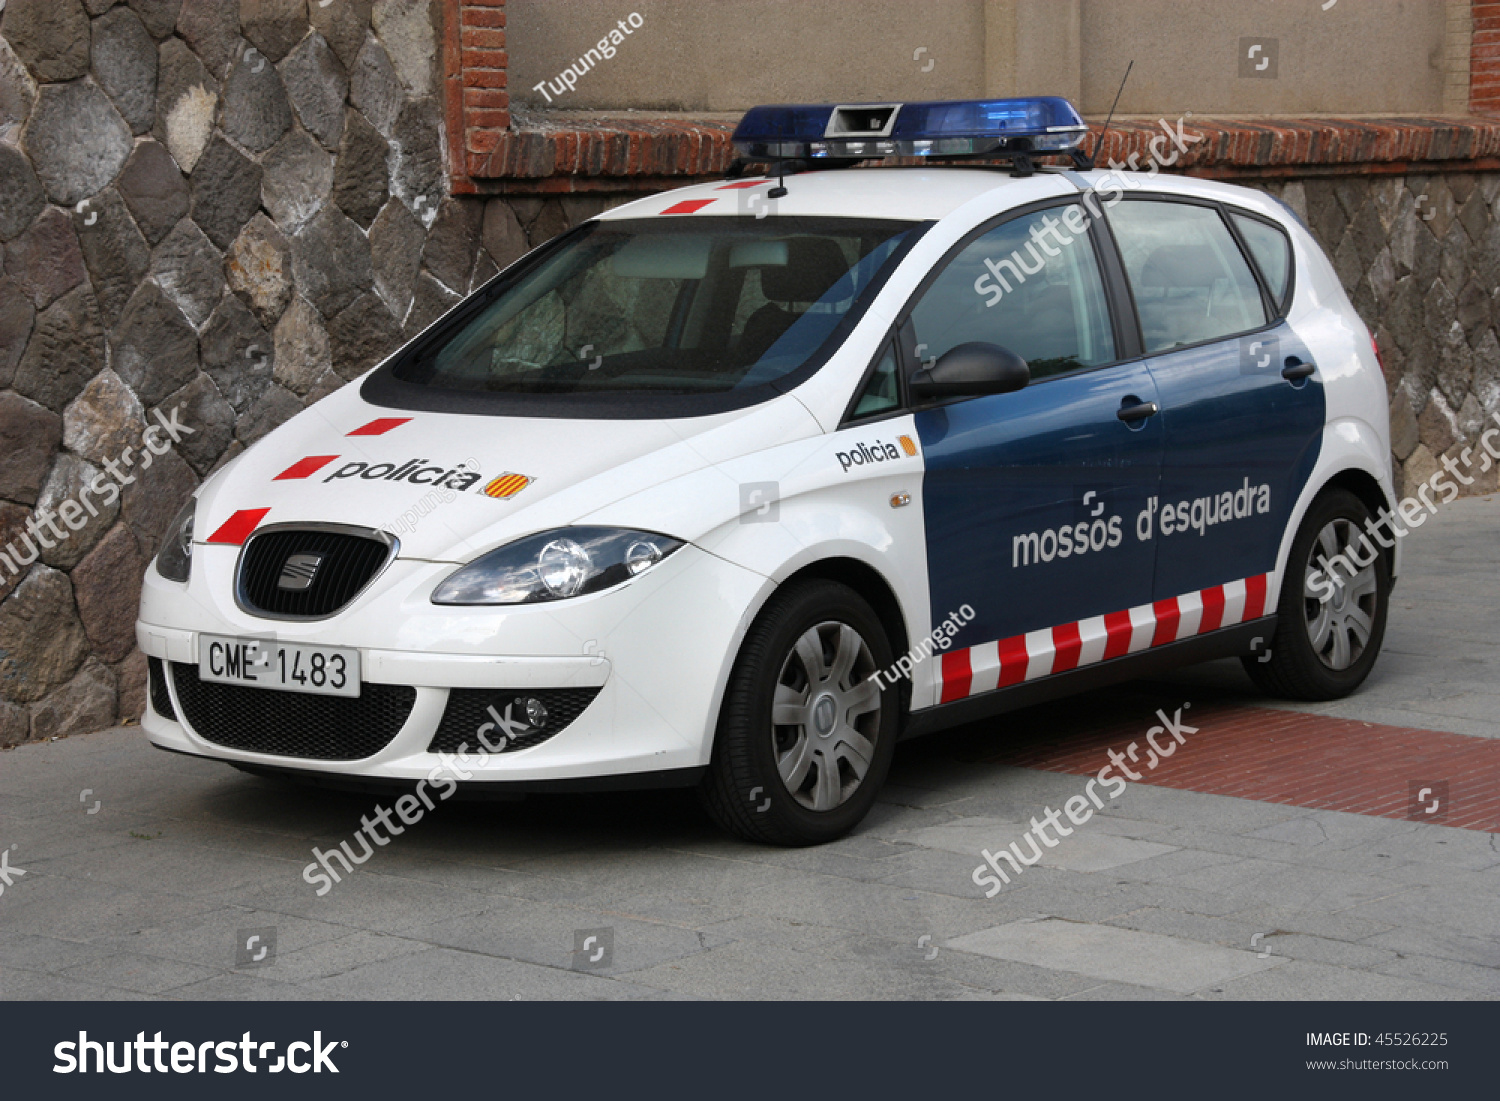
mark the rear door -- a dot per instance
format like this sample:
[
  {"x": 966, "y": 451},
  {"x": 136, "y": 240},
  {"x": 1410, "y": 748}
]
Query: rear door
[
  {"x": 1031, "y": 498},
  {"x": 1243, "y": 417}
]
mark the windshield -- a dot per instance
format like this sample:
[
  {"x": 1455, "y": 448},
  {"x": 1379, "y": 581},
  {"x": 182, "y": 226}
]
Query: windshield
[{"x": 663, "y": 306}]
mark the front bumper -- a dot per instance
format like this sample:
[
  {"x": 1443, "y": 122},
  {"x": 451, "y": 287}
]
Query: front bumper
[{"x": 657, "y": 650}]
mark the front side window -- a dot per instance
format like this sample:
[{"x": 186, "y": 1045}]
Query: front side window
[
  {"x": 665, "y": 306},
  {"x": 881, "y": 392},
  {"x": 1031, "y": 285},
  {"x": 1191, "y": 282}
]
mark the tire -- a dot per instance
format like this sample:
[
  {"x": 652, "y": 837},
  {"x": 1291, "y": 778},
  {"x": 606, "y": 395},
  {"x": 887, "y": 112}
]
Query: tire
[
  {"x": 816, "y": 644},
  {"x": 1327, "y": 637}
]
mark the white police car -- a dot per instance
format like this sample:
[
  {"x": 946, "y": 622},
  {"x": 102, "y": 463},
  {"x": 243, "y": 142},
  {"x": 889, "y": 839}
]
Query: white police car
[{"x": 738, "y": 485}]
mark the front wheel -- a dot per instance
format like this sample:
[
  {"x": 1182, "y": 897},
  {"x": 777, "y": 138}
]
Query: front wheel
[
  {"x": 806, "y": 731},
  {"x": 1334, "y": 598}
]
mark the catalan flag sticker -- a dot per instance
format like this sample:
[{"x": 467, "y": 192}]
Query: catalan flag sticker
[
  {"x": 907, "y": 445},
  {"x": 507, "y": 486}
]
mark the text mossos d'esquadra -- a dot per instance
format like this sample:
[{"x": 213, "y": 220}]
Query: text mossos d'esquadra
[{"x": 1098, "y": 532}]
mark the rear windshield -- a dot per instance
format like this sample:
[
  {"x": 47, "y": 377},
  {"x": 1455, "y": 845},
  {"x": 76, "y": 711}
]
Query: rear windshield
[{"x": 666, "y": 307}]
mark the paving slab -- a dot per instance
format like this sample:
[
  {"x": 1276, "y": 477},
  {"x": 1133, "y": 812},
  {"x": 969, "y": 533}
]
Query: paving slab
[{"x": 1113, "y": 954}]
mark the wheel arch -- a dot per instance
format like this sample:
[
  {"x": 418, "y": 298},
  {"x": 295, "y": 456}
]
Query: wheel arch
[
  {"x": 1364, "y": 486},
  {"x": 864, "y": 579}
]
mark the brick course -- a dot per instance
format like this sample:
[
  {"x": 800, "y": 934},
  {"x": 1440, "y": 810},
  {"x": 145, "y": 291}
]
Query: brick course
[{"x": 1288, "y": 757}]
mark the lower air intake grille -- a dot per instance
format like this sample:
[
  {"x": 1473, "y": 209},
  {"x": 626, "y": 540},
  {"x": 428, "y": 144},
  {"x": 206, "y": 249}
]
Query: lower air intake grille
[
  {"x": 307, "y": 574},
  {"x": 161, "y": 699},
  {"x": 529, "y": 717},
  {"x": 293, "y": 724}
]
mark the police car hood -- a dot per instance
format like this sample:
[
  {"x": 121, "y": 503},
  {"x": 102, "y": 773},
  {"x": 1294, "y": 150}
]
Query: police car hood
[{"x": 449, "y": 486}]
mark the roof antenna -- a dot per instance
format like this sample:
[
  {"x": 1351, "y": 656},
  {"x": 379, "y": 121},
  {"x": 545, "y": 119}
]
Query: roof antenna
[
  {"x": 1099, "y": 144},
  {"x": 780, "y": 189}
]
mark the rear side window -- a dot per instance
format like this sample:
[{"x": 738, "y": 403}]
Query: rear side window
[
  {"x": 1031, "y": 285},
  {"x": 1191, "y": 282},
  {"x": 1272, "y": 252}
]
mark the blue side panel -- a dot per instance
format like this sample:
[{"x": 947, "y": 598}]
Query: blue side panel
[
  {"x": 1241, "y": 442},
  {"x": 1003, "y": 469}
]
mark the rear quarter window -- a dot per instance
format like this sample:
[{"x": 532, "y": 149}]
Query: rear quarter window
[{"x": 1272, "y": 252}]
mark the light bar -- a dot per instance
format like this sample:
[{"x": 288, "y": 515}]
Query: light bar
[{"x": 945, "y": 128}]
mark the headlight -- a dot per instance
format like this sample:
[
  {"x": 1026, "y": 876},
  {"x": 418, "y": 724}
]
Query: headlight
[
  {"x": 175, "y": 559},
  {"x": 555, "y": 565}
]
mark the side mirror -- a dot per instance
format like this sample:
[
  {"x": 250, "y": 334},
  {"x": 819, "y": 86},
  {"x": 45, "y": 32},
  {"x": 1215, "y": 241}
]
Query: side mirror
[{"x": 969, "y": 370}]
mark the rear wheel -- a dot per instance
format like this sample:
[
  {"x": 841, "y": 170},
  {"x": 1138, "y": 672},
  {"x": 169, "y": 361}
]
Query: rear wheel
[
  {"x": 1334, "y": 598},
  {"x": 806, "y": 732}
]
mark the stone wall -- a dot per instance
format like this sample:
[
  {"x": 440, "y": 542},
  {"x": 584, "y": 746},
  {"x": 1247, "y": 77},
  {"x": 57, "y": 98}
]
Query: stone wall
[
  {"x": 1420, "y": 259},
  {"x": 231, "y": 208}
]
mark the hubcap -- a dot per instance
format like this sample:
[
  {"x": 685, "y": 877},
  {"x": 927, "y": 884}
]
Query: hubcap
[
  {"x": 1339, "y": 626},
  {"x": 826, "y": 715}
]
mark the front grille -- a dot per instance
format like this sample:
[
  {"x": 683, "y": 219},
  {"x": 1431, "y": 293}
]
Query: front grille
[
  {"x": 161, "y": 699},
  {"x": 469, "y": 709},
  {"x": 347, "y": 564},
  {"x": 293, "y": 724}
]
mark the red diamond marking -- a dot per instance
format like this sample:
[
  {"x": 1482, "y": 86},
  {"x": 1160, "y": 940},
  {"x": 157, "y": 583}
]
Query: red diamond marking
[
  {"x": 380, "y": 426},
  {"x": 238, "y": 527},
  {"x": 687, "y": 206},
  {"x": 302, "y": 468}
]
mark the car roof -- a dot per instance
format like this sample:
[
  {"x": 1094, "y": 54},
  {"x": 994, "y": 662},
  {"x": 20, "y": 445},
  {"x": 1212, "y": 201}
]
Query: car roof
[{"x": 919, "y": 193}]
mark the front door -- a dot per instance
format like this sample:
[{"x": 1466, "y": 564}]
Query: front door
[{"x": 1031, "y": 499}]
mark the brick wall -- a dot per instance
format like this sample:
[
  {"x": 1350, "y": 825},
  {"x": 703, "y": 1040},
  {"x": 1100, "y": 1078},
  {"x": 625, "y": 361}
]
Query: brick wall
[
  {"x": 1484, "y": 59},
  {"x": 475, "y": 94}
]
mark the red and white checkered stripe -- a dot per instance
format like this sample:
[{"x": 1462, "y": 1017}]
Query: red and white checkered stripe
[{"x": 991, "y": 665}]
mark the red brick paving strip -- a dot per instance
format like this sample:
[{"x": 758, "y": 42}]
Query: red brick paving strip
[{"x": 1297, "y": 759}]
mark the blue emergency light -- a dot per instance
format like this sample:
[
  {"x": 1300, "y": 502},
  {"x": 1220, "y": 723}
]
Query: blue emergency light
[{"x": 1039, "y": 125}]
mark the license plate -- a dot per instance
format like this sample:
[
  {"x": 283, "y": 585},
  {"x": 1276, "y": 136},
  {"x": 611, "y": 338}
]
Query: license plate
[{"x": 269, "y": 663}]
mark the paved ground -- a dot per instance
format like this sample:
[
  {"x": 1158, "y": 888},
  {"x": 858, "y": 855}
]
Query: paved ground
[{"x": 1174, "y": 890}]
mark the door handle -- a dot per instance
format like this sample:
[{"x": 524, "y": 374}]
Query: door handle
[
  {"x": 1130, "y": 412},
  {"x": 1295, "y": 369}
]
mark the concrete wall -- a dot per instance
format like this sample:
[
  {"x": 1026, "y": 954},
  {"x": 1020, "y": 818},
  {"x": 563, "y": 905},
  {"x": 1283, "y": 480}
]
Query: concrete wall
[
  {"x": 1364, "y": 57},
  {"x": 720, "y": 56},
  {"x": 1358, "y": 57}
]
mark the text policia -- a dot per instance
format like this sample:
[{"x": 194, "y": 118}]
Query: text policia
[{"x": 1098, "y": 531}]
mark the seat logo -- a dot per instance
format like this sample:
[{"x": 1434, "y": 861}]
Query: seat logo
[{"x": 298, "y": 572}]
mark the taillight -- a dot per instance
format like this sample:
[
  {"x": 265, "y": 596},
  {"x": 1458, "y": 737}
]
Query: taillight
[{"x": 1375, "y": 344}]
